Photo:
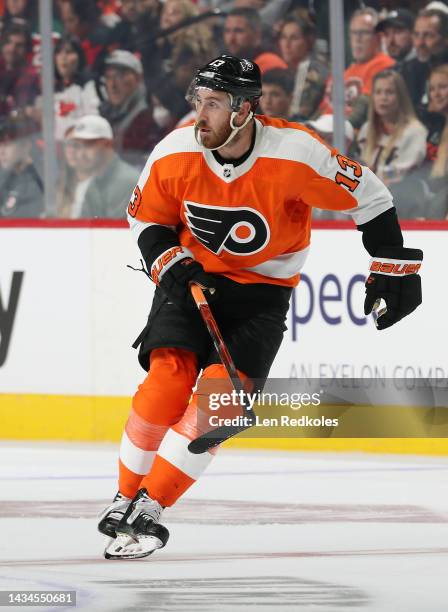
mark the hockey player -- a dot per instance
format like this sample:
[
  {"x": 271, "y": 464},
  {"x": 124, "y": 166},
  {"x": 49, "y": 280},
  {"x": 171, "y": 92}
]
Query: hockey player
[{"x": 226, "y": 202}]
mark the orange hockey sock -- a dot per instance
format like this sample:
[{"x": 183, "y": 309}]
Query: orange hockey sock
[
  {"x": 175, "y": 468},
  {"x": 160, "y": 401}
]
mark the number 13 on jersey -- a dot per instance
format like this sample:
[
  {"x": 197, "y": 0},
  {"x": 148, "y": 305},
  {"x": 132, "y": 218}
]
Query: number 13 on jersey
[{"x": 343, "y": 179}]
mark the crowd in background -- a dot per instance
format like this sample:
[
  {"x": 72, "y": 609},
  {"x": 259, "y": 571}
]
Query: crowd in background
[{"x": 122, "y": 68}]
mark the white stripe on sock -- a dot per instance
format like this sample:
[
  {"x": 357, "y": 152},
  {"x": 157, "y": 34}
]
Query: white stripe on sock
[
  {"x": 135, "y": 459},
  {"x": 174, "y": 448}
]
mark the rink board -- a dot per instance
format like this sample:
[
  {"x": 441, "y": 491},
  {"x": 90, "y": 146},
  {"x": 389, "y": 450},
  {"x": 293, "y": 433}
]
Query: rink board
[
  {"x": 101, "y": 419},
  {"x": 70, "y": 310}
]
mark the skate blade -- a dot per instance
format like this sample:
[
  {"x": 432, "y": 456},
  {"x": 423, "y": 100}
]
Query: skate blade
[{"x": 125, "y": 547}]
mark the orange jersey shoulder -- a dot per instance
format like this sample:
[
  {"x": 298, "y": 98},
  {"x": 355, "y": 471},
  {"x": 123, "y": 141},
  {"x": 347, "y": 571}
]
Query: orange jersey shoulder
[{"x": 284, "y": 123}]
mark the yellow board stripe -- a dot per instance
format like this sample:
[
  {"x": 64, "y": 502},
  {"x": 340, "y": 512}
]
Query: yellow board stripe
[
  {"x": 89, "y": 418},
  {"x": 62, "y": 417}
]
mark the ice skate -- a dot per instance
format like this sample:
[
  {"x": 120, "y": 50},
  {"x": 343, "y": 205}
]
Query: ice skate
[
  {"x": 139, "y": 532},
  {"x": 112, "y": 515}
]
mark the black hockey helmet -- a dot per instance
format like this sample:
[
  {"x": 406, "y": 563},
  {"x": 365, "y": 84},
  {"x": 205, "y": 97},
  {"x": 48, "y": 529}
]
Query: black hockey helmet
[{"x": 238, "y": 77}]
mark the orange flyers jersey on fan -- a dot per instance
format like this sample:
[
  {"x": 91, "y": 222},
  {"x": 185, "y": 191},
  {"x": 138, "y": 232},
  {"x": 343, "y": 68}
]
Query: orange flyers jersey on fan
[
  {"x": 357, "y": 81},
  {"x": 252, "y": 222}
]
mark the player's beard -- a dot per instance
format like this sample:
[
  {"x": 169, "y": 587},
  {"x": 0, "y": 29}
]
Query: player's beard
[{"x": 215, "y": 137}]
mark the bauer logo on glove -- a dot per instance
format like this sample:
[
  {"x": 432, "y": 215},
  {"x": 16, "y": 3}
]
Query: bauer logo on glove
[
  {"x": 166, "y": 260},
  {"x": 174, "y": 270},
  {"x": 393, "y": 278},
  {"x": 390, "y": 266}
]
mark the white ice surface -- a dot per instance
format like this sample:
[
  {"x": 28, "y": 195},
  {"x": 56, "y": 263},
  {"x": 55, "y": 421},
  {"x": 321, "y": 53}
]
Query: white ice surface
[{"x": 261, "y": 531}]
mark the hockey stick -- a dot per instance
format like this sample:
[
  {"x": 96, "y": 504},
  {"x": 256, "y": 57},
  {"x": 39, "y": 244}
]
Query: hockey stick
[{"x": 215, "y": 437}]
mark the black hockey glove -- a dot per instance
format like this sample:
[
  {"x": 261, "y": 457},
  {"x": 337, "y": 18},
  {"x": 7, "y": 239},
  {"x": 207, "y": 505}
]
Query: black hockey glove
[
  {"x": 394, "y": 278},
  {"x": 173, "y": 271}
]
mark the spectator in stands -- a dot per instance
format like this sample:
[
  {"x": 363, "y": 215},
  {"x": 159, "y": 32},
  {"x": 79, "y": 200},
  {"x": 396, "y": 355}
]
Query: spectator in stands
[
  {"x": 28, "y": 12},
  {"x": 113, "y": 179},
  {"x": 81, "y": 18},
  {"x": 437, "y": 109},
  {"x": 396, "y": 29},
  {"x": 20, "y": 9},
  {"x": 243, "y": 38},
  {"x": 278, "y": 85},
  {"x": 174, "y": 12},
  {"x": 296, "y": 42},
  {"x": 74, "y": 96},
  {"x": 430, "y": 38},
  {"x": 21, "y": 189},
  {"x": 368, "y": 60},
  {"x": 429, "y": 188},
  {"x": 425, "y": 192},
  {"x": 19, "y": 82},
  {"x": 126, "y": 109},
  {"x": 126, "y": 33},
  {"x": 393, "y": 141},
  {"x": 182, "y": 52},
  {"x": 145, "y": 42},
  {"x": 73, "y": 180}
]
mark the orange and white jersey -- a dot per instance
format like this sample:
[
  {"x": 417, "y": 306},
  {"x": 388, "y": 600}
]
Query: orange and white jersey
[{"x": 252, "y": 222}]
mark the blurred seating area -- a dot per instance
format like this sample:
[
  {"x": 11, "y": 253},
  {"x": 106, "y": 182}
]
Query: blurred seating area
[{"x": 122, "y": 69}]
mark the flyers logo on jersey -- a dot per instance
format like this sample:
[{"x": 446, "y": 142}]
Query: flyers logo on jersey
[{"x": 236, "y": 230}]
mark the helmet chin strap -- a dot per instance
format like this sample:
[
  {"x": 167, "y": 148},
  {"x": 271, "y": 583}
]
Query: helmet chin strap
[{"x": 233, "y": 133}]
